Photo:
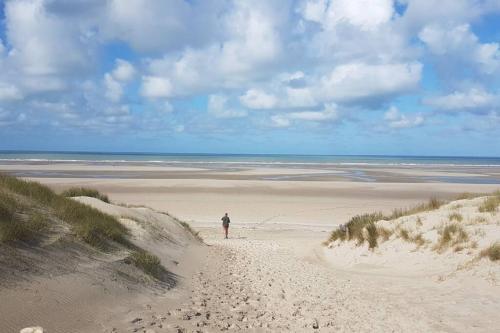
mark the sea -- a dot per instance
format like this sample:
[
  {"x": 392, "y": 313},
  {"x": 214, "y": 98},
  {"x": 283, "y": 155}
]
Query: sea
[{"x": 252, "y": 159}]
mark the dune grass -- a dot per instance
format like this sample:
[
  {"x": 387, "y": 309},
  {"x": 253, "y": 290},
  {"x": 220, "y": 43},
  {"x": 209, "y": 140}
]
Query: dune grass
[
  {"x": 492, "y": 252},
  {"x": 89, "y": 224},
  {"x": 451, "y": 234},
  {"x": 432, "y": 204},
  {"x": 455, "y": 217},
  {"x": 85, "y": 192},
  {"x": 147, "y": 262},
  {"x": 19, "y": 221},
  {"x": 490, "y": 204}
]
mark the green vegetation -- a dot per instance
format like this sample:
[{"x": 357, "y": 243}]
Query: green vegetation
[
  {"x": 451, "y": 235},
  {"x": 18, "y": 221},
  {"x": 490, "y": 204},
  {"x": 372, "y": 235},
  {"x": 455, "y": 216},
  {"x": 85, "y": 192},
  {"x": 432, "y": 204},
  {"x": 148, "y": 263},
  {"x": 20, "y": 199},
  {"x": 492, "y": 252}
]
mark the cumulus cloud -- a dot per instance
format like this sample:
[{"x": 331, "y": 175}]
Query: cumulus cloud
[
  {"x": 219, "y": 107},
  {"x": 156, "y": 87},
  {"x": 9, "y": 92},
  {"x": 397, "y": 120},
  {"x": 124, "y": 70},
  {"x": 258, "y": 99},
  {"x": 354, "y": 81},
  {"x": 459, "y": 46},
  {"x": 366, "y": 14},
  {"x": 474, "y": 99},
  {"x": 329, "y": 113}
]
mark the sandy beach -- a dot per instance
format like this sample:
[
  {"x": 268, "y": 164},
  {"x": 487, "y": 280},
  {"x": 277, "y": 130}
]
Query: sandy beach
[{"x": 274, "y": 273}]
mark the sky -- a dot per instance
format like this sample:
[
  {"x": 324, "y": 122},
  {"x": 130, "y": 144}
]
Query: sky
[{"x": 402, "y": 77}]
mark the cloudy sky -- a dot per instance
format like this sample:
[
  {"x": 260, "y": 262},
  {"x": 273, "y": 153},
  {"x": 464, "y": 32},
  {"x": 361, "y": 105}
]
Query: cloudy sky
[{"x": 413, "y": 77}]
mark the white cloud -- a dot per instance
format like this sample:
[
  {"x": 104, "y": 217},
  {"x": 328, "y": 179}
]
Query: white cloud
[
  {"x": 365, "y": 14},
  {"x": 218, "y": 106},
  {"x": 397, "y": 120},
  {"x": 123, "y": 71},
  {"x": 258, "y": 99},
  {"x": 42, "y": 43},
  {"x": 114, "y": 90},
  {"x": 458, "y": 46},
  {"x": 156, "y": 87},
  {"x": 329, "y": 113},
  {"x": 354, "y": 81},
  {"x": 473, "y": 99},
  {"x": 9, "y": 92},
  {"x": 249, "y": 51}
]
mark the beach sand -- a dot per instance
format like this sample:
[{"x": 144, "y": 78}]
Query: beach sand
[{"x": 274, "y": 274}]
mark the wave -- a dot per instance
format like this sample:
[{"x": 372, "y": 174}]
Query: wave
[{"x": 245, "y": 163}]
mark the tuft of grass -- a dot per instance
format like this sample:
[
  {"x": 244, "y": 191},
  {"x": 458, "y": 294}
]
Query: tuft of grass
[
  {"x": 432, "y": 204},
  {"x": 147, "y": 262},
  {"x": 372, "y": 235},
  {"x": 188, "y": 228},
  {"x": 455, "y": 216},
  {"x": 356, "y": 225},
  {"x": 492, "y": 252},
  {"x": 85, "y": 192},
  {"x": 468, "y": 195},
  {"x": 451, "y": 235},
  {"x": 490, "y": 204},
  {"x": 404, "y": 234}
]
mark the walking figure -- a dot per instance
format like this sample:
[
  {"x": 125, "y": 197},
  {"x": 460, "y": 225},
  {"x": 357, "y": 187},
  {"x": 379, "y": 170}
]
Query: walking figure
[{"x": 225, "y": 223}]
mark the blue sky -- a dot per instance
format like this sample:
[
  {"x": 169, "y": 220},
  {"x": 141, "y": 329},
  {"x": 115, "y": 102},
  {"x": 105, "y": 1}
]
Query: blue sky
[{"x": 405, "y": 77}]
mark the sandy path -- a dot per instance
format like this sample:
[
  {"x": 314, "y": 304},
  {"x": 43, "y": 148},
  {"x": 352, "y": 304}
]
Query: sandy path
[{"x": 253, "y": 283}]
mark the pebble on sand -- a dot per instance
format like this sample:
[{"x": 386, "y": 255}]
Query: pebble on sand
[{"x": 35, "y": 329}]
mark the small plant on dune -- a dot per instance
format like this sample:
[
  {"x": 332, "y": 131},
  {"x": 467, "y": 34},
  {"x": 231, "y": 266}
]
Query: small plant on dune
[
  {"x": 492, "y": 252},
  {"x": 147, "y": 262},
  {"x": 85, "y": 192},
  {"x": 490, "y": 205},
  {"x": 455, "y": 216},
  {"x": 451, "y": 235},
  {"x": 372, "y": 235},
  {"x": 419, "y": 222},
  {"x": 356, "y": 225},
  {"x": 336, "y": 234},
  {"x": 404, "y": 234}
]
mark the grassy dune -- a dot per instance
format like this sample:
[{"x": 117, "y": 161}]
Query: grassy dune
[
  {"x": 368, "y": 228},
  {"x": 28, "y": 210}
]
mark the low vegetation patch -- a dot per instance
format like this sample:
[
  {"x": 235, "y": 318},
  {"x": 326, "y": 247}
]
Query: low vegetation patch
[
  {"x": 490, "y": 204},
  {"x": 20, "y": 199},
  {"x": 19, "y": 222},
  {"x": 455, "y": 217},
  {"x": 432, "y": 204},
  {"x": 492, "y": 252},
  {"x": 148, "y": 263},
  {"x": 451, "y": 235},
  {"x": 85, "y": 192}
]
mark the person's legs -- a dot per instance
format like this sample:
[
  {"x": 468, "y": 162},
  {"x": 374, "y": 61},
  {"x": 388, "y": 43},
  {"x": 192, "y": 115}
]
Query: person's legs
[{"x": 226, "y": 230}]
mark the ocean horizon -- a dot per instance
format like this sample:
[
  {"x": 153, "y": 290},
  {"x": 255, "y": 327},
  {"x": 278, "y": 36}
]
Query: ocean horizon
[{"x": 253, "y": 159}]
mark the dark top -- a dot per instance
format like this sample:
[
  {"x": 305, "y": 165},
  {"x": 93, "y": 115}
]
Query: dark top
[{"x": 225, "y": 220}]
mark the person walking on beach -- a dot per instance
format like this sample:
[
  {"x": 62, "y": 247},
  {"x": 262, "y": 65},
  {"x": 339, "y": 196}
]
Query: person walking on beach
[{"x": 225, "y": 223}]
